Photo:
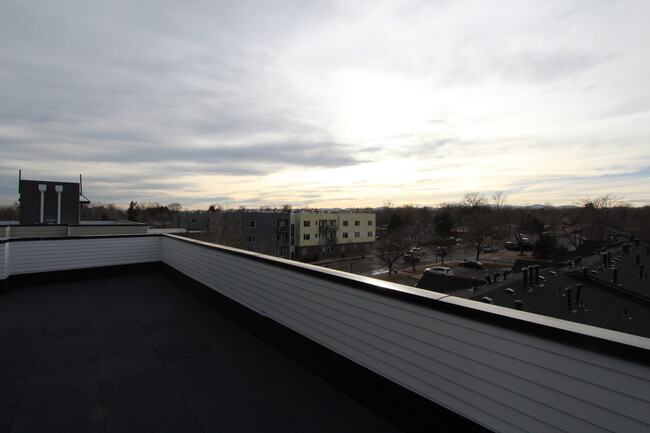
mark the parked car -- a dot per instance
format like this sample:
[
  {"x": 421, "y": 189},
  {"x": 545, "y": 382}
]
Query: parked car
[
  {"x": 490, "y": 249},
  {"x": 440, "y": 270},
  {"x": 472, "y": 264},
  {"x": 411, "y": 259}
]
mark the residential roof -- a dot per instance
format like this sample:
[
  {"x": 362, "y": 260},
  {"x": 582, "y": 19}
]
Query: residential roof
[{"x": 622, "y": 307}]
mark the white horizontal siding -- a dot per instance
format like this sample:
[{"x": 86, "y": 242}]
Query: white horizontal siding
[
  {"x": 503, "y": 379},
  {"x": 37, "y": 231},
  {"x": 3, "y": 258},
  {"x": 56, "y": 255}
]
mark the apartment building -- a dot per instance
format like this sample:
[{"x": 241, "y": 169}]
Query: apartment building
[
  {"x": 305, "y": 236},
  {"x": 322, "y": 235}
]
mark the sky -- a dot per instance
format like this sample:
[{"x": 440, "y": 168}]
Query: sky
[{"x": 327, "y": 103}]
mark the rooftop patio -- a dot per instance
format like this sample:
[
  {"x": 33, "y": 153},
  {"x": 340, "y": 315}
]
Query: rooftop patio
[
  {"x": 157, "y": 356},
  {"x": 137, "y": 354}
]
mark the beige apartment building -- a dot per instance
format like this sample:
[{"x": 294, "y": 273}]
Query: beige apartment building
[{"x": 323, "y": 235}]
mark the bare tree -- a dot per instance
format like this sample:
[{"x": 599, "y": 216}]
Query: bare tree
[
  {"x": 479, "y": 220},
  {"x": 597, "y": 213},
  {"x": 10, "y": 213},
  {"x": 174, "y": 207},
  {"x": 499, "y": 200},
  {"x": 389, "y": 249}
]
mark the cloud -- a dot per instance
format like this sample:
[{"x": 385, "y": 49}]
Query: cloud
[{"x": 316, "y": 102}]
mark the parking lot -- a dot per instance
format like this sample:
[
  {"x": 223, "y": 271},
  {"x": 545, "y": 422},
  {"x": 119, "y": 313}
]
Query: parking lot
[{"x": 372, "y": 266}]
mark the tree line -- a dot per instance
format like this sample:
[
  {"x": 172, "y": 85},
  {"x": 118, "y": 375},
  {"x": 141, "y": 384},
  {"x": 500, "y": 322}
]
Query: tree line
[
  {"x": 153, "y": 214},
  {"x": 487, "y": 222}
]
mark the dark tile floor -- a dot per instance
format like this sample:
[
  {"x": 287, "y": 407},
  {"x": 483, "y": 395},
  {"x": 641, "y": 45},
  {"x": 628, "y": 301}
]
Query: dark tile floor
[{"x": 137, "y": 354}]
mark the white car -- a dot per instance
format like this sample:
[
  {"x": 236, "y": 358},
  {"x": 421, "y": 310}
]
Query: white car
[{"x": 440, "y": 270}]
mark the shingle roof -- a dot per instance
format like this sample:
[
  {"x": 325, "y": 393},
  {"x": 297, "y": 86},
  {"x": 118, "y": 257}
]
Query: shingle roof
[{"x": 604, "y": 304}]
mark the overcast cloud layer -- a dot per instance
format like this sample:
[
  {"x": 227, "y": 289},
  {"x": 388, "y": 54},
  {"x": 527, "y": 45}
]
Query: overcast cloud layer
[{"x": 322, "y": 103}]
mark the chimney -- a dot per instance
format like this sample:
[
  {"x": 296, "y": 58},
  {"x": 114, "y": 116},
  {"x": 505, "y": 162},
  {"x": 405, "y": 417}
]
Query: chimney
[
  {"x": 579, "y": 289},
  {"x": 568, "y": 297}
]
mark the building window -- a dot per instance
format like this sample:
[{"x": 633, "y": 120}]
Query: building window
[
  {"x": 342, "y": 248},
  {"x": 250, "y": 224},
  {"x": 345, "y": 223},
  {"x": 345, "y": 234},
  {"x": 369, "y": 234},
  {"x": 306, "y": 236},
  {"x": 370, "y": 222},
  {"x": 250, "y": 239},
  {"x": 357, "y": 223},
  {"x": 355, "y": 246},
  {"x": 282, "y": 253},
  {"x": 273, "y": 223},
  {"x": 306, "y": 223},
  {"x": 305, "y": 251},
  {"x": 357, "y": 234},
  {"x": 273, "y": 237}
]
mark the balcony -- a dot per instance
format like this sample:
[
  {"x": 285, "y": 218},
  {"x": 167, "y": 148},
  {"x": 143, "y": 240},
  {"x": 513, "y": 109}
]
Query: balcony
[
  {"x": 328, "y": 228},
  {"x": 328, "y": 241},
  {"x": 496, "y": 368}
]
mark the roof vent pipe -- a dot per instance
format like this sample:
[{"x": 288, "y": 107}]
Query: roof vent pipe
[
  {"x": 568, "y": 297},
  {"x": 579, "y": 289},
  {"x": 42, "y": 188},
  {"x": 609, "y": 258},
  {"x": 615, "y": 276},
  {"x": 59, "y": 190},
  {"x": 641, "y": 271},
  {"x": 525, "y": 272},
  {"x": 519, "y": 304},
  {"x": 585, "y": 271},
  {"x": 536, "y": 274}
]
